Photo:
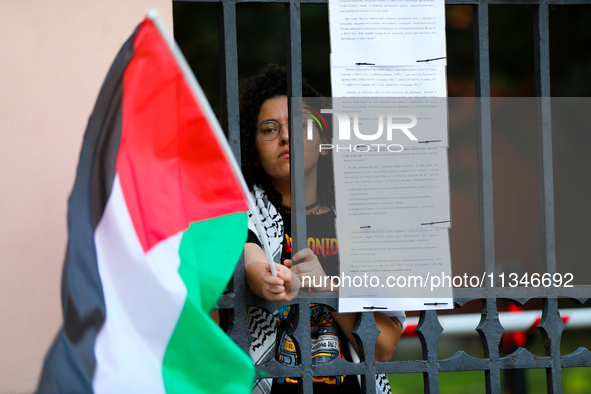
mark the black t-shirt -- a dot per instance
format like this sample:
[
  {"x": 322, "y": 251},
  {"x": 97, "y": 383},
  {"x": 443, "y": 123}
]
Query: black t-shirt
[
  {"x": 321, "y": 240},
  {"x": 325, "y": 346}
]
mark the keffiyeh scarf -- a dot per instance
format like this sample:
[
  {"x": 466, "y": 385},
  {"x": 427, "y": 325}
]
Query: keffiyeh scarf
[{"x": 263, "y": 324}]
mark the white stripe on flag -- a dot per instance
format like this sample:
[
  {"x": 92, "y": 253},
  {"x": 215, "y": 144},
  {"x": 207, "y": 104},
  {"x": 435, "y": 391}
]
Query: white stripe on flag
[{"x": 144, "y": 296}]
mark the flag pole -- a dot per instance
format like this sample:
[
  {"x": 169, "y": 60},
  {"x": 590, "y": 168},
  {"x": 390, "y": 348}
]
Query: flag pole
[{"x": 154, "y": 15}]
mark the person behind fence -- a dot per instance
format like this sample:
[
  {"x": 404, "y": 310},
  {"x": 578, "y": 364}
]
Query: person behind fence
[{"x": 266, "y": 168}]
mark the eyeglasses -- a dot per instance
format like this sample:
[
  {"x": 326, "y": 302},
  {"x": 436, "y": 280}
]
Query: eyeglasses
[{"x": 270, "y": 130}]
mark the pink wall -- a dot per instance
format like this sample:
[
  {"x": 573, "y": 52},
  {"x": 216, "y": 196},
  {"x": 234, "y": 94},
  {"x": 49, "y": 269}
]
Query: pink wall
[{"x": 54, "y": 57}]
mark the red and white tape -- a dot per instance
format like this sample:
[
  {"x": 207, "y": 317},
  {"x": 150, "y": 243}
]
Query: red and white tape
[{"x": 465, "y": 324}]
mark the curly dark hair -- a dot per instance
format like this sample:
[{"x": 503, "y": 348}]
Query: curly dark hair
[{"x": 272, "y": 82}]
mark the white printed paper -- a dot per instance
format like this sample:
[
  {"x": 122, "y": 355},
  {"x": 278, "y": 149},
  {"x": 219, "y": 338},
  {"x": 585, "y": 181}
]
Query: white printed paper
[
  {"x": 405, "y": 121},
  {"x": 390, "y": 158},
  {"x": 392, "y": 190},
  {"x": 402, "y": 269},
  {"x": 369, "y": 81},
  {"x": 387, "y": 32}
]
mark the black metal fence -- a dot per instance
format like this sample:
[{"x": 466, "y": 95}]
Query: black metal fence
[{"x": 429, "y": 329}]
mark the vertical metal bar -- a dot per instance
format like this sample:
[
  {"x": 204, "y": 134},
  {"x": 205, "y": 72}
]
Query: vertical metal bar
[
  {"x": 489, "y": 328},
  {"x": 485, "y": 187},
  {"x": 303, "y": 337},
  {"x": 229, "y": 74},
  {"x": 238, "y": 330},
  {"x": 544, "y": 129},
  {"x": 296, "y": 148},
  {"x": 542, "y": 48},
  {"x": 366, "y": 333},
  {"x": 491, "y": 331},
  {"x": 551, "y": 325},
  {"x": 296, "y": 164},
  {"x": 429, "y": 330},
  {"x": 481, "y": 51}
]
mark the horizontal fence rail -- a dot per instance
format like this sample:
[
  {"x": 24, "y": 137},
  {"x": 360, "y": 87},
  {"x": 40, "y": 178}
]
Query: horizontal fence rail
[{"x": 428, "y": 328}]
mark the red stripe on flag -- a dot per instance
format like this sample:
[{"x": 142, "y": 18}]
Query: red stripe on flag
[{"x": 171, "y": 167}]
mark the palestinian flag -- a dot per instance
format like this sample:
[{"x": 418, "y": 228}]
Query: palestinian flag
[{"x": 157, "y": 222}]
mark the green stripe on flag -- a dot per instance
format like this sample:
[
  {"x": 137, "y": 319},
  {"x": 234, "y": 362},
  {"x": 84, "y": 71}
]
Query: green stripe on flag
[{"x": 200, "y": 357}]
